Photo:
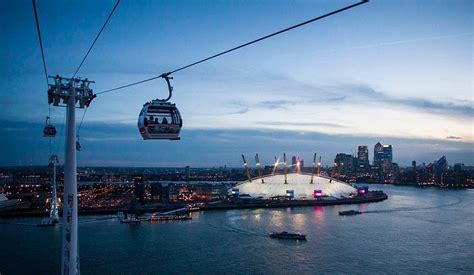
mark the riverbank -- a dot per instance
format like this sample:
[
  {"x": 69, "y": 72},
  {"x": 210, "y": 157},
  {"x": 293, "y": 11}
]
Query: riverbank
[{"x": 372, "y": 196}]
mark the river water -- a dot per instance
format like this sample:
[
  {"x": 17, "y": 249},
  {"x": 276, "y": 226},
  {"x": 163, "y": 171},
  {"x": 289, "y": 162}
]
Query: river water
[{"x": 417, "y": 230}]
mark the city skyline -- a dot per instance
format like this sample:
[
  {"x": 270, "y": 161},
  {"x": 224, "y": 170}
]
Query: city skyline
[{"x": 398, "y": 73}]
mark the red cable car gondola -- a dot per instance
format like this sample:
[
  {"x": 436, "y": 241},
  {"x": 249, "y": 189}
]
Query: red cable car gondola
[{"x": 49, "y": 130}]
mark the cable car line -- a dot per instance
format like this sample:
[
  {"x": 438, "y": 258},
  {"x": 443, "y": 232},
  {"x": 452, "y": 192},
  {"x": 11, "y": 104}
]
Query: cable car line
[
  {"x": 82, "y": 119},
  {"x": 40, "y": 41},
  {"x": 97, "y": 37},
  {"x": 238, "y": 47},
  {"x": 84, "y": 59},
  {"x": 38, "y": 30}
]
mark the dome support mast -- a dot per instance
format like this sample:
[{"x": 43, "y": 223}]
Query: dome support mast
[
  {"x": 314, "y": 168},
  {"x": 247, "y": 170},
  {"x": 259, "y": 168}
]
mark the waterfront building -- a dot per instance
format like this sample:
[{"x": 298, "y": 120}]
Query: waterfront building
[
  {"x": 456, "y": 177},
  {"x": 439, "y": 167},
  {"x": 188, "y": 173},
  {"x": 383, "y": 162},
  {"x": 345, "y": 164},
  {"x": 138, "y": 189},
  {"x": 156, "y": 192}
]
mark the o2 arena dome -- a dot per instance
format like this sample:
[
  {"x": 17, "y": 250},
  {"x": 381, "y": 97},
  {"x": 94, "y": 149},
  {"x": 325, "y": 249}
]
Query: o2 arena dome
[{"x": 298, "y": 186}]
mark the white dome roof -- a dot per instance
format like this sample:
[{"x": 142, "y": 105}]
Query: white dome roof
[{"x": 300, "y": 183}]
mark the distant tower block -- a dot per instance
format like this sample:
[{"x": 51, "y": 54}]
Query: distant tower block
[
  {"x": 247, "y": 170},
  {"x": 188, "y": 173}
]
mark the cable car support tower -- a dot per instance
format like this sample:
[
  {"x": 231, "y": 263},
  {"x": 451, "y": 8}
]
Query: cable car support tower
[{"x": 69, "y": 92}]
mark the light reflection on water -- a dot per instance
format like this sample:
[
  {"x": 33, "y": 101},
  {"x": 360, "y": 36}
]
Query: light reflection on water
[{"x": 414, "y": 231}]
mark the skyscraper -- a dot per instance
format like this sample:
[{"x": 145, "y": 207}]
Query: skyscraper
[
  {"x": 363, "y": 158},
  {"x": 386, "y": 159},
  {"x": 378, "y": 151}
]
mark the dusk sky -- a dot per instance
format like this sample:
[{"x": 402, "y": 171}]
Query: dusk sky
[{"x": 398, "y": 72}]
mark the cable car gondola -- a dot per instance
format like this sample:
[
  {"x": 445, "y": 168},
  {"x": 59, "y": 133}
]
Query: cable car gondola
[
  {"x": 49, "y": 130},
  {"x": 160, "y": 119},
  {"x": 78, "y": 144}
]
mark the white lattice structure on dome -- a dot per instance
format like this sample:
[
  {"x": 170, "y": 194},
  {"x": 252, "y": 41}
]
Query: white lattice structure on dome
[{"x": 300, "y": 183}]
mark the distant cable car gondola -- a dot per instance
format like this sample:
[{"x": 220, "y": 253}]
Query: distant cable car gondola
[
  {"x": 49, "y": 130},
  {"x": 78, "y": 144},
  {"x": 160, "y": 119}
]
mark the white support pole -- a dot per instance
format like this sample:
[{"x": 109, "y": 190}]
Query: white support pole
[
  {"x": 54, "y": 195},
  {"x": 70, "y": 255}
]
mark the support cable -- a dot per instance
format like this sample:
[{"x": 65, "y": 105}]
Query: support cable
[
  {"x": 38, "y": 30},
  {"x": 87, "y": 54},
  {"x": 238, "y": 47},
  {"x": 82, "y": 119},
  {"x": 97, "y": 37},
  {"x": 40, "y": 41}
]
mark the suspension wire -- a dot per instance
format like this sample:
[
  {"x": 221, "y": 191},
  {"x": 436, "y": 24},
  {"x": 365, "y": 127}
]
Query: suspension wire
[
  {"x": 38, "y": 30},
  {"x": 97, "y": 37},
  {"x": 82, "y": 119},
  {"x": 238, "y": 47},
  {"x": 61, "y": 132},
  {"x": 40, "y": 41},
  {"x": 87, "y": 54}
]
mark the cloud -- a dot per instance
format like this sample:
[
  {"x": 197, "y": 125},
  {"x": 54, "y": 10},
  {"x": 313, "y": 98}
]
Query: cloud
[
  {"x": 454, "y": 137},
  {"x": 115, "y": 144},
  {"x": 303, "y": 93},
  {"x": 239, "y": 112},
  {"x": 289, "y": 123},
  {"x": 275, "y": 104},
  {"x": 360, "y": 92}
]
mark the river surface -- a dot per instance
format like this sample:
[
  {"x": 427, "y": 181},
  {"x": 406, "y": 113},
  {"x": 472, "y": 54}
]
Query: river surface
[{"x": 417, "y": 230}]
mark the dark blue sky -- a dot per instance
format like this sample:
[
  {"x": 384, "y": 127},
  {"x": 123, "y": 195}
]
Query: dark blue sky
[{"x": 398, "y": 72}]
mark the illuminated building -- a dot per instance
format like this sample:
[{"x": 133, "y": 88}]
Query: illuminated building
[
  {"x": 298, "y": 186},
  {"x": 345, "y": 164},
  {"x": 378, "y": 152},
  {"x": 363, "y": 159}
]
